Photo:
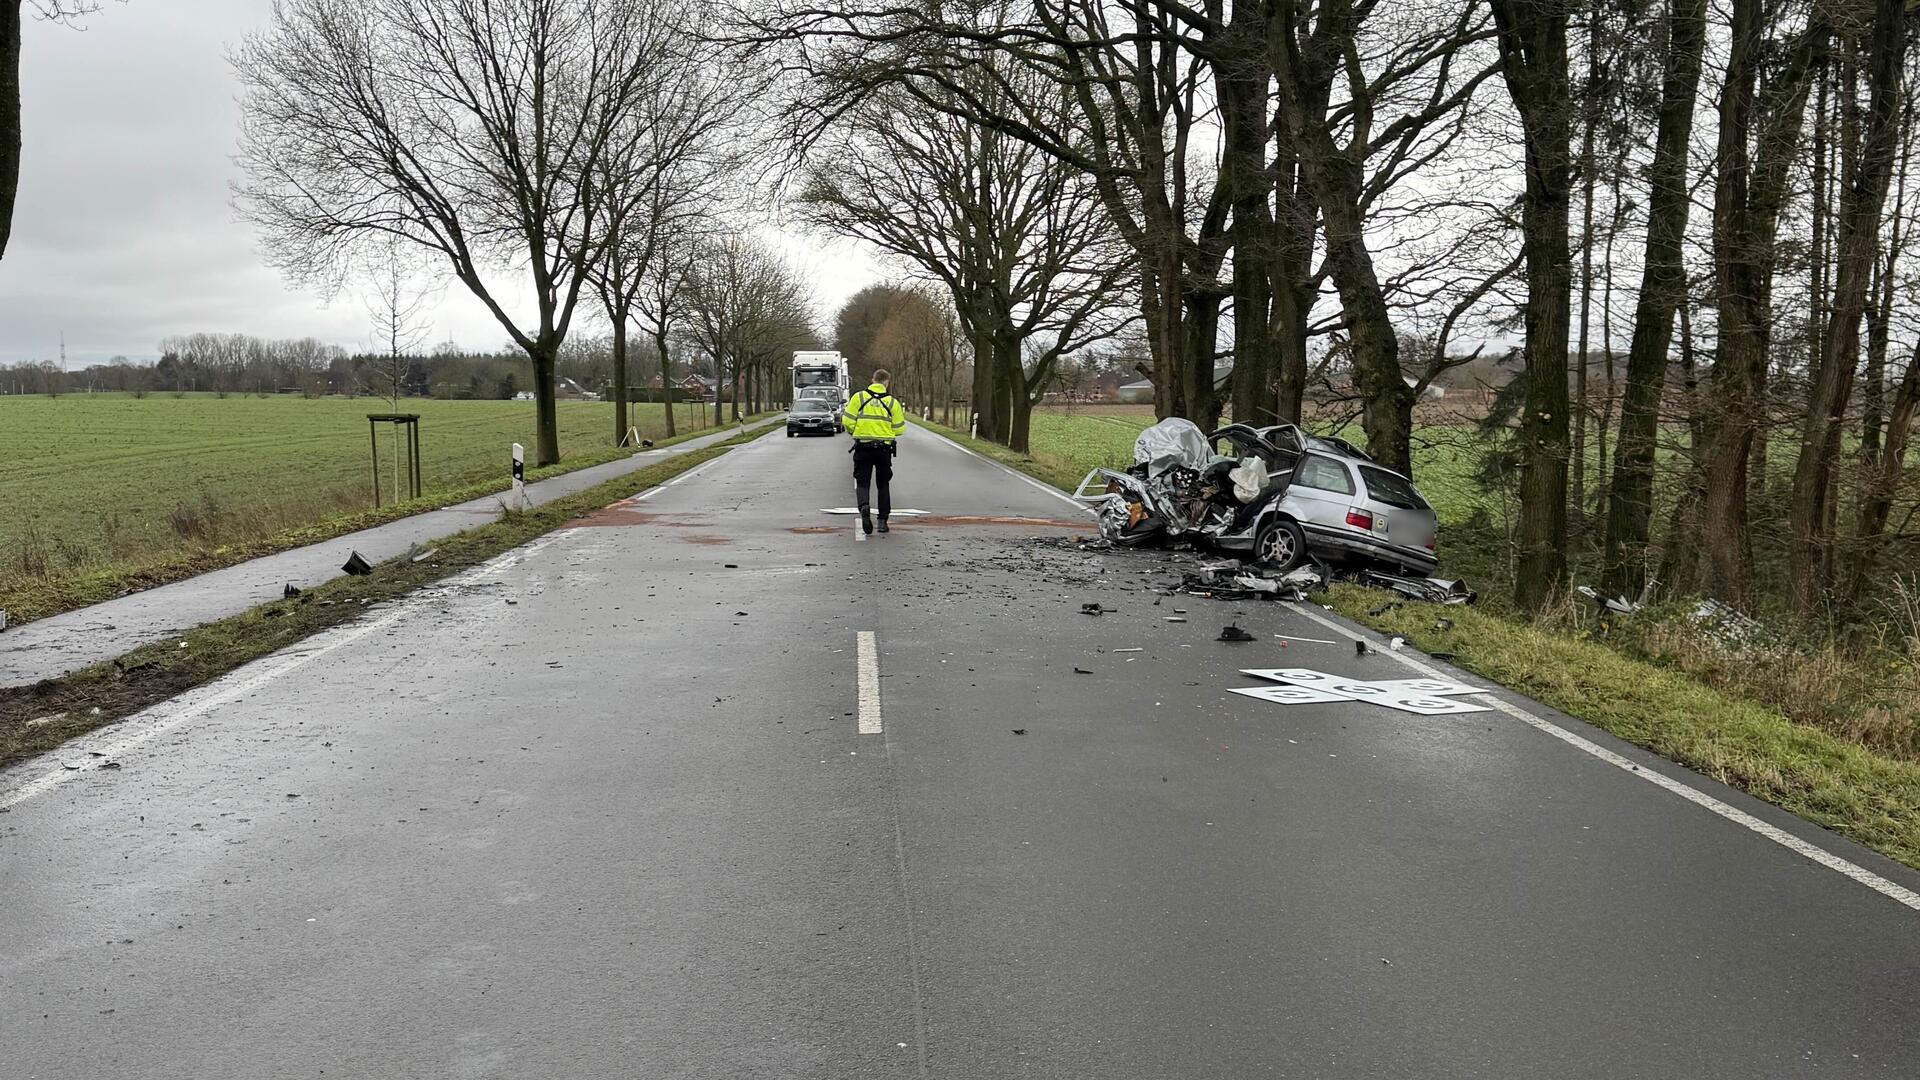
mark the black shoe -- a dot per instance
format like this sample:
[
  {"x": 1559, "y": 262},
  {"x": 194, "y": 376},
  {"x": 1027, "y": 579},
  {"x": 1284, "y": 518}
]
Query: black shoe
[
  {"x": 866, "y": 521},
  {"x": 883, "y": 524}
]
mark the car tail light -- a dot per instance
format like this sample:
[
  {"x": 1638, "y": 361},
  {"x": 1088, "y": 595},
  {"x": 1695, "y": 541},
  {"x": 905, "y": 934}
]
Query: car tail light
[
  {"x": 1359, "y": 519},
  {"x": 1430, "y": 543}
]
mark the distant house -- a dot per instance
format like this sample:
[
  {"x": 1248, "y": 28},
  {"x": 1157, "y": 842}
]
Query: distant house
[{"x": 1141, "y": 393}]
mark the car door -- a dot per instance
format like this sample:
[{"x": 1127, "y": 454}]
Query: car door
[{"x": 1320, "y": 493}]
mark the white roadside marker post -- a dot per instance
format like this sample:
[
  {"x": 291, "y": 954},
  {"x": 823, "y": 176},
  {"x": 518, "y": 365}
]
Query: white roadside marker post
[
  {"x": 518, "y": 501},
  {"x": 976, "y": 425}
]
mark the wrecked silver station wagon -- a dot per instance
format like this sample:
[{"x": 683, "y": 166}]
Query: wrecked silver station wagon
[{"x": 1277, "y": 495}]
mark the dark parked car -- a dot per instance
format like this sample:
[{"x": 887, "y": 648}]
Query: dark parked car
[{"x": 813, "y": 416}]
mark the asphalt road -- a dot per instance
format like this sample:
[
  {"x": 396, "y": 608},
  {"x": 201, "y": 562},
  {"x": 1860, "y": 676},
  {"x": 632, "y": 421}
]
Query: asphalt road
[{"x": 603, "y": 809}]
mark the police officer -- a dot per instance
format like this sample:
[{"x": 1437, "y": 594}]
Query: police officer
[{"x": 875, "y": 419}]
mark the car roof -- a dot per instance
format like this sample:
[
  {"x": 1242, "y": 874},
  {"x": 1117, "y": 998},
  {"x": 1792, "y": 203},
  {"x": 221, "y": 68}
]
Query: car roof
[{"x": 1326, "y": 444}]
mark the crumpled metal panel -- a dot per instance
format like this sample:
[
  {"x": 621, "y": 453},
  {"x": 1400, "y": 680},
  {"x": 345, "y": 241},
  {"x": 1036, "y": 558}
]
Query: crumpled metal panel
[{"x": 1171, "y": 443}]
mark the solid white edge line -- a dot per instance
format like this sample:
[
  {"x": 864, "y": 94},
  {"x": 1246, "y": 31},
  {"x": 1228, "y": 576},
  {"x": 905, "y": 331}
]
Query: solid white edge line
[
  {"x": 869, "y": 670},
  {"x": 1890, "y": 889},
  {"x": 1048, "y": 488}
]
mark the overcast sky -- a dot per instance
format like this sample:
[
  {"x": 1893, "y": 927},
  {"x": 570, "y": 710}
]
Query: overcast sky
[{"x": 124, "y": 233}]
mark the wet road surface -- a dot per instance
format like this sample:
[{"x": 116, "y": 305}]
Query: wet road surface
[
  {"x": 60, "y": 644},
  {"x": 603, "y": 808}
]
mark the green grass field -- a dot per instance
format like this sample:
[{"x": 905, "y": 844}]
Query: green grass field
[{"x": 99, "y": 485}]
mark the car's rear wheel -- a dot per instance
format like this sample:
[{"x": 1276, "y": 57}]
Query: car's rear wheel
[{"x": 1280, "y": 544}]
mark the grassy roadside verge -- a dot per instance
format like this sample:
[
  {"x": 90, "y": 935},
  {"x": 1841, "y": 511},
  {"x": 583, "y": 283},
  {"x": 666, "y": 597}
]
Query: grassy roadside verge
[
  {"x": 28, "y": 599},
  {"x": 1868, "y": 797},
  {"x": 35, "y": 719},
  {"x": 1055, "y": 469},
  {"x": 1855, "y": 790}
]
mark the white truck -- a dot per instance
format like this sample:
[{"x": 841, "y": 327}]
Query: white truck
[{"x": 817, "y": 373}]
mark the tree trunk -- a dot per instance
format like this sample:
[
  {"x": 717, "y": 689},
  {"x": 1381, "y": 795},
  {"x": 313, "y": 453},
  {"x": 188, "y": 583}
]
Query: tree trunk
[
  {"x": 546, "y": 426},
  {"x": 1873, "y": 395},
  {"x": 9, "y": 117},
  {"x": 1876, "y": 503},
  {"x": 1201, "y": 325},
  {"x": 666, "y": 377},
  {"x": 1167, "y": 326},
  {"x": 1750, "y": 190},
  {"x": 1810, "y": 509},
  {"x": 1819, "y": 212},
  {"x": 1386, "y": 400},
  {"x": 1591, "y": 118},
  {"x": 620, "y": 424},
  {"x": 1012, "y": 414},
  {"x": 1533, "y": 49},
  {"x": 977, "y": 324},
  {"x": 1242, "y": 76},
  {"x": 1678, "y": 564},
  {"x": 1603, "y": 418},
  {"x": 1663, "y": 285},
  {"x": 1019, "y": 405},
  {"x": 1290, "y": 276}
]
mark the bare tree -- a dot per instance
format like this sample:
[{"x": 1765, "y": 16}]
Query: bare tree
[
  {"x": 398, "y": 307},
  {"x": 921, "y": 342},
  {"x": 687, "y": 147},
  {"x": 477, "y": 131},
  {"x": 1122, "y": 102},
  {"x": 1015, "y": 235},
  {"x": 662, "y": 299},
  {"x": 747, "y": 311}
]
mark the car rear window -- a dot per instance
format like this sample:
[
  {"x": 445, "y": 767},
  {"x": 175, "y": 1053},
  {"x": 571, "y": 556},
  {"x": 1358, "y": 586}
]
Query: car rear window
[
  {"x": 1392, "y": 489},
  {"x": 1327, "y": 475}
]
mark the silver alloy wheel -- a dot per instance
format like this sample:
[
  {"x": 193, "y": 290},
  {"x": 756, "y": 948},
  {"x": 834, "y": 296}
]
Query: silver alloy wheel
[{"x": 1276, "y": 546}]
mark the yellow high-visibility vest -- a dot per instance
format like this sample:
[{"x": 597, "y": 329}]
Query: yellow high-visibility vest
[{"x": 873, "y": 415}]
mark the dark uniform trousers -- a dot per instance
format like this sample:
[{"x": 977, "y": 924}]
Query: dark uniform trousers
[{"x": 873, "y": 461}]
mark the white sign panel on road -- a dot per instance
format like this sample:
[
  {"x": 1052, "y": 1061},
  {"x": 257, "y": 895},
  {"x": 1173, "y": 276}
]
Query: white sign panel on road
[
  {"x": 1288, "y": 695},
  {"x": 1305, "y": 686},
  {"x": 1430, "y": 706}
]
